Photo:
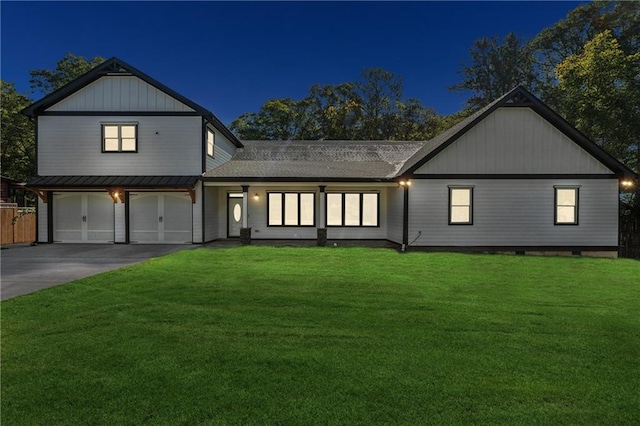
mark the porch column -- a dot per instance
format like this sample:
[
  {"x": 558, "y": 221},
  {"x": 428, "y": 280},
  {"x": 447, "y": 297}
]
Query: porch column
[
  {"x": 245, "y": 231},
  {"x": 322, "y": 218}
]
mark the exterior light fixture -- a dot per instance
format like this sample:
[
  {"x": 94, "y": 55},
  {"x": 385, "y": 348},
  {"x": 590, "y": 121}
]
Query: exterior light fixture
[
  {"x": 256, "y": 196},
  {"x": 405, "y": 183},
  {"x": 627, "y": 183}
]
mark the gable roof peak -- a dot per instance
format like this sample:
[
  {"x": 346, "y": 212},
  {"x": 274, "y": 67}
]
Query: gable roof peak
[{"x": 116, "y": 66}]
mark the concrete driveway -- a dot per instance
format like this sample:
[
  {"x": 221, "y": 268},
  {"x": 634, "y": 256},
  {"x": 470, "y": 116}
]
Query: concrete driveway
[{"x": 25, "y": 269}]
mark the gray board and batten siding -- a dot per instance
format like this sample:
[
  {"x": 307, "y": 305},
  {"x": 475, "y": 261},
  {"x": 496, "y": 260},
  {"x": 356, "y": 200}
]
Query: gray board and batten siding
[
  {"x": 513, "y": 141},
  {"x": 120, "y": 93}
]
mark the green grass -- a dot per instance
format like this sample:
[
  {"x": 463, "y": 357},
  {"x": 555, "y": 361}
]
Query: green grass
[{"x": 258, "y": 335}]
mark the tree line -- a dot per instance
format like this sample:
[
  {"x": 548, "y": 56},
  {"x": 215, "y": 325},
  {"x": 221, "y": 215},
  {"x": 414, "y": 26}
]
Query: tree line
[{"x": 586, "y": 67}]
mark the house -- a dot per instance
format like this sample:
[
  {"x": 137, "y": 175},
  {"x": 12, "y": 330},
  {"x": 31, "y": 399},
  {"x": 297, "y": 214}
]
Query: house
[{"x": 124, "y": 159}]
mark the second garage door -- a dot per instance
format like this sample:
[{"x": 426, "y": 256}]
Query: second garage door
[{"x": 164, "y": 217}]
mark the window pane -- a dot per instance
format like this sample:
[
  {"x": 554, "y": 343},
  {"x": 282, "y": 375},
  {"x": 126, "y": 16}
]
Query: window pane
[
  {"x": 566, "y": 197},
  {"x": 460, "y": 214},
  {"x": 111, "y": 144},
  {"x": 110, "y": 131},
  {"x": 275, "y": 208},
  {"x": 334, "y": 209},
  {"x": 307, "y": 209},
  {"x": 351, "y": 209},
  {"x": 128, "y": 144},
  {"x": 128, "y": 131},
  {"x": 369, "y": 209},
  {"x": 460, "y": 196},
  {"x": 290, "y": 209},
  {"x": 210, "y": 142},
  {"x": 566, "y": 214}
]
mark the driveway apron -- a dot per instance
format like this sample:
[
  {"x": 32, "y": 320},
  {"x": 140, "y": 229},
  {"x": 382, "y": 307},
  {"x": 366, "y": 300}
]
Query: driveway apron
[{"x": 25, "y": 269}]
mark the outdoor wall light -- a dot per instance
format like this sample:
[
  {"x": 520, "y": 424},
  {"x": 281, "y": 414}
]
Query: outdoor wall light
[
  {"x": 256, "y": 196},
  {"x": 626, "y": 183},
  {"x": 404, "y": 183}
]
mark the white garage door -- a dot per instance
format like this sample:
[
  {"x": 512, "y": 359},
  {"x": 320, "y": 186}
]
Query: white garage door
[
  {"x": 160, "y": 217},
  {"x": 83, "y": 217}
]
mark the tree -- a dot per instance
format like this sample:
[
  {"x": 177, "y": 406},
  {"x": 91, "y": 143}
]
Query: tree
[
  {"x": 601, "y": 91},
  {"x": 45, "y": 81},
  {"x": 496, "y": 68},
  {"x": 282, "y": 119},
  {"x": 18, "y": 131},
  {"x": 569, "y": 36},
  {"x": 380, "y": 92},
  {"x": 369, "y": 109},
  {"x": 18, "y": 150}
]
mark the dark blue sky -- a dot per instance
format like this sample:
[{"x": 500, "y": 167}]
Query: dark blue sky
[{"x": 231, "y": 57}]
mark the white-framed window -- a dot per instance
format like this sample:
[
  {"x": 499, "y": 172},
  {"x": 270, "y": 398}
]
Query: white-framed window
[
  {"x": 566, "y": 205},
  {"x": 460, "y": 205},
  {"x": 119, "y": 137},
  {"x": 211, "y": 142},
  {"x": 291, "y": 208},
  {"x": 353, "y": 209}
]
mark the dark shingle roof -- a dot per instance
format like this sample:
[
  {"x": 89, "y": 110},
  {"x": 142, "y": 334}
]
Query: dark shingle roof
[{"x": 317, "y": 160}]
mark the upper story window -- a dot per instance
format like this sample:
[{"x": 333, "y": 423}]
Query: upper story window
[
  {"x": 353, "y": 209},
  {"x": 566, "y": 209},
  {"x": 211, "y": 141},
  {"x": 460, "y": 205},
  {"x": 119, "y": 137},
  {"x": 291, "y": 209}
]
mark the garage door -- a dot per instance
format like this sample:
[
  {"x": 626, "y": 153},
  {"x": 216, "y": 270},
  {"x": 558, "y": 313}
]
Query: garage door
[
  {"x": 86, "y": 217},
  {"x": 160, "y": 217}
]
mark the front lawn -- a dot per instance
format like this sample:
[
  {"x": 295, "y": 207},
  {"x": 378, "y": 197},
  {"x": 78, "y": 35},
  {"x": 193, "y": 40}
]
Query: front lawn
[{"x": 261, "y": 335}]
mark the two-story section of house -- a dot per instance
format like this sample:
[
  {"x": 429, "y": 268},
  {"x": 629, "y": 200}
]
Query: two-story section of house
[{"x": 119, "y": 159}]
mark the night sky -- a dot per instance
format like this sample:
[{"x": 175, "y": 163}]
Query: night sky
[{"x": 231, "y": 57}]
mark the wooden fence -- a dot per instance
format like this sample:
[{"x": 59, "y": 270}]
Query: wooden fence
[{"x": 17, "y": 224}]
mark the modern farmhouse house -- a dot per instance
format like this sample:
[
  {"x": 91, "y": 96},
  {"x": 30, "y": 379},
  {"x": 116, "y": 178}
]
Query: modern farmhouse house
[{"x": 124, "y": 159}]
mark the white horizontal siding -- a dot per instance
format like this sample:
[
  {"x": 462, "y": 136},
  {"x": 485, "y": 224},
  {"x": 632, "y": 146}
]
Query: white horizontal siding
[
  {"x": 223, "y": 151},
  {"x": 120, "y": 93},
  {"x": 120, "y": 219},
  {"x": 72, "y": 145},
  {"x": 517, "y": 212},
  {"x": 43, "y": 223},
  {"x": 513, "y": 141},
  {"x": 197, "y": 210},
  {"x": 395, "y": 208},
  {"x": 211, "y": 213}
]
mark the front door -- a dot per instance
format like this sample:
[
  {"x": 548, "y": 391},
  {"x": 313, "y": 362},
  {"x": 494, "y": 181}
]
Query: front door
[{"x": 234, "y": 215}]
